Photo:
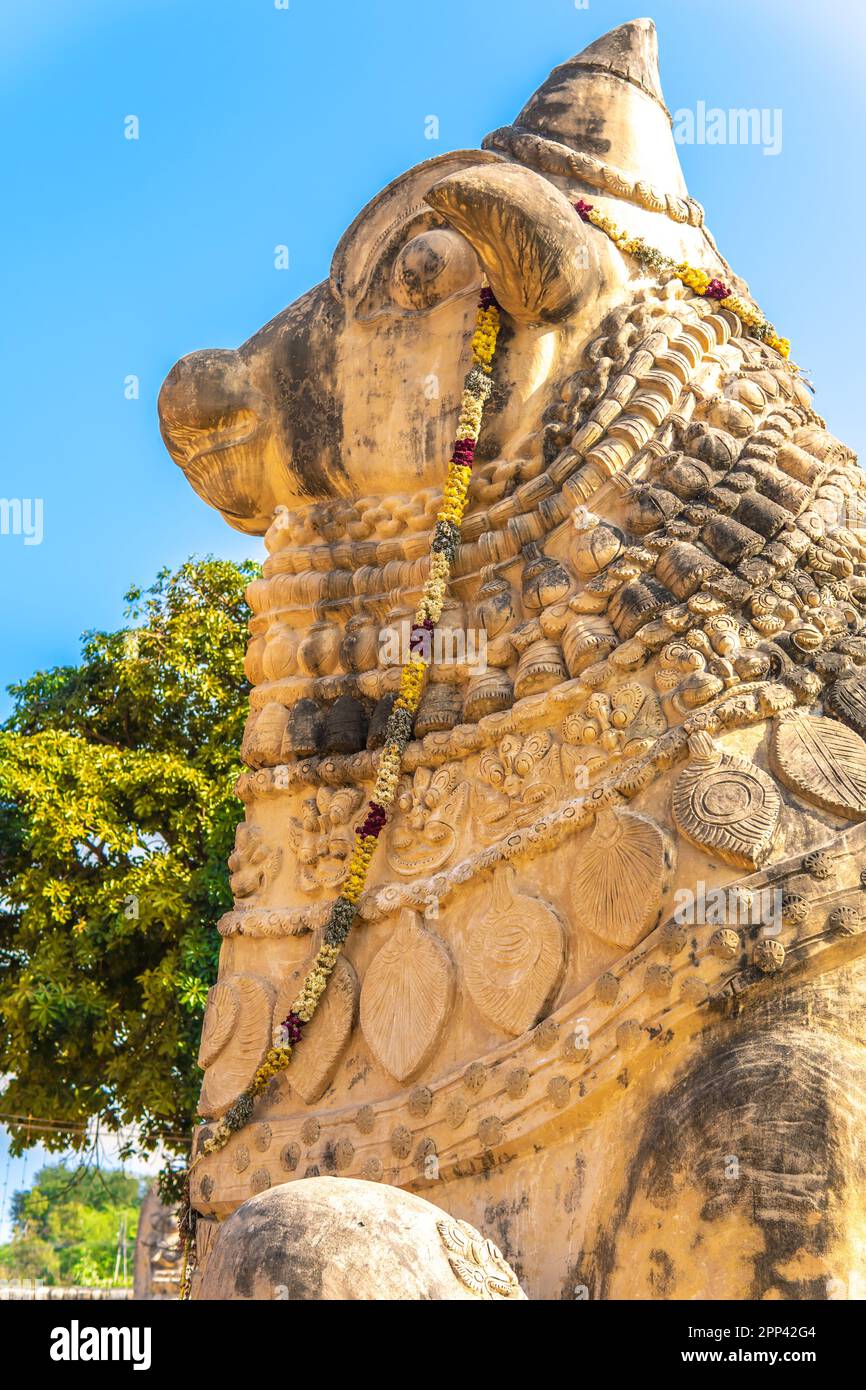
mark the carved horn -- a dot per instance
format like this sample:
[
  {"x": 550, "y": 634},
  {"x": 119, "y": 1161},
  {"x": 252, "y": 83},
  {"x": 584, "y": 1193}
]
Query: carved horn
[{"x": 527, "y": 235}]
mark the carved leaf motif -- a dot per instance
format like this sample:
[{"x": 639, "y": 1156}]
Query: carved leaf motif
[
  {"x": 406, "y": 997},
  {"x": 822, "y": 761},
  {"x": 220, "y": 1018},
  {"x": 237, "y": 1041},
  {"x": 316, "y": 1058},
  {"x": 847, "y": 699},
  {"x": 477, "y": 1262},
  {"x": 620, "y": 876},
  {"x": 514, "y": 957},
  {"x": 726, "y": 805}
]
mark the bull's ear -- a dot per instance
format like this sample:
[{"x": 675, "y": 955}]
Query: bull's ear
[{"x": 527, "y": 235}]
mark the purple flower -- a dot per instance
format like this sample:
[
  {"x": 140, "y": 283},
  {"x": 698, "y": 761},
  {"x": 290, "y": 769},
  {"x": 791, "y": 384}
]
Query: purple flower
[
  {"x": 374, "y": 821},
  {"x": 294, "y": 1027},
  {"x": 716, "y": 290}
]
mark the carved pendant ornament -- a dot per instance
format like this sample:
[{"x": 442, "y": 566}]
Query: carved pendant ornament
[
  {"x": 823, "y": 761},
  {"x": 623, "y": 869},
  {"x": 515, "y": 956},
  {"x": 406, "y": 998},
  {"x": 726, "y": 805}
]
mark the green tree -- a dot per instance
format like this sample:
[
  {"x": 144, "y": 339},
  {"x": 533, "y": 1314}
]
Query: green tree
[
  {"x": 66, "y": 1227},
  {"x": 117, "y": 815},
  {"x": 30, "y": 1258}
]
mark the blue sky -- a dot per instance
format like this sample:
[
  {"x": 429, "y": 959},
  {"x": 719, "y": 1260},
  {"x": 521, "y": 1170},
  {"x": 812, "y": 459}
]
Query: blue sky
[{"x": 262, "y": 126}]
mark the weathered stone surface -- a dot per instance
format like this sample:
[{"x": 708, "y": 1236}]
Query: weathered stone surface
[
  {"x": 337, "y": 1238},
  {"x": 611, "y": 938}
]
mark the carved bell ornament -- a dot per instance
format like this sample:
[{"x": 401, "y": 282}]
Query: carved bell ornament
[
  {"x": 622, "y": 871},
  {"x": 594, "y": 545},
  {"x": 540, "y": 667}
]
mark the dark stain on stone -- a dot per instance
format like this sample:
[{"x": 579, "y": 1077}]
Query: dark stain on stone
[
  {"x": 498, "y": 1217},
  {"x": 572, "y": 1199},
  {"x": 309, "y": 412},
  {"x": 780, "y": 1092},
  {"x": 270, "y": 1249},
  {"x": 662, "y": 1276},
  {"x": 329, "y": 1161}
]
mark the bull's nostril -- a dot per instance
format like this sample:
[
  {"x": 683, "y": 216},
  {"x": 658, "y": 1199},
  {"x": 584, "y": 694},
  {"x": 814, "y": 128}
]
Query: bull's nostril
[{"x": 203, "y": 391}]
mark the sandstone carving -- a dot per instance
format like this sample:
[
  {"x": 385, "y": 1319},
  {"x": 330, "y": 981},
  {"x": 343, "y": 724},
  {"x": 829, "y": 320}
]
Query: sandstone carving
[
  {"x": 431, "y": 810},
  {"x": 847, "y": 699},
  {"x": 254, "y": 863},
  {"x": 514, "y": 957},
  {"x": 622, "y": 870},
  {"x": 725, "y": 804},
  {"x": 331, "y": 1028},
  {"x": 651, "y": 682},
  {"x": 823, "y": 761},
  {"x": 322, "y": 837},
  {"x": 158, "y": 1252},
  {"x": 235, "y": 1037},
  {"x": 406, "y": 997},
  {"x": 478, "y": 1263}
]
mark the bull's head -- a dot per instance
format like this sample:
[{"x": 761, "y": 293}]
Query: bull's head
[{"x": 354, "y": 388}]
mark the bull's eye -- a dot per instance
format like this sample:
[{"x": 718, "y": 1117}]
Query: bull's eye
[{"x": 432, "y": 267}]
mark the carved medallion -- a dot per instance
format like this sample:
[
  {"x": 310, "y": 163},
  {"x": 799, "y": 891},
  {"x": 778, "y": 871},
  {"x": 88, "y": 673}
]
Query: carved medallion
[
  {"x": 315, "y": 1059},
  {"x": 621, "y": 876},
  {"x": 479, "y": 1264},
  {"x": 514, "y": 957},
  {"x": 235, "y": 1038},
  {"x": 406, "y": 997},
  {"x": 726, "y": 805},
  {"x": 822, "y": 761}
]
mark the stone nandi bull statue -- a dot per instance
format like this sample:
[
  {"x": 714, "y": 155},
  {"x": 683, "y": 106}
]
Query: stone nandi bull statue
[{"x": 604, "y": 997}]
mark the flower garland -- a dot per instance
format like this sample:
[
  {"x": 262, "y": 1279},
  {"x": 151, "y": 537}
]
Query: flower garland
[
  {"x": 398, "y": 731},
  {"x": 697, "y": 280}
]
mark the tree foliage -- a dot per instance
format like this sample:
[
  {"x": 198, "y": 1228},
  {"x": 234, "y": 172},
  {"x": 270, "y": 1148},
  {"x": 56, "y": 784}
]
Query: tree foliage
[
  {"x": 116, "y": 818},
  {"x": 66, "y": 1226}
]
